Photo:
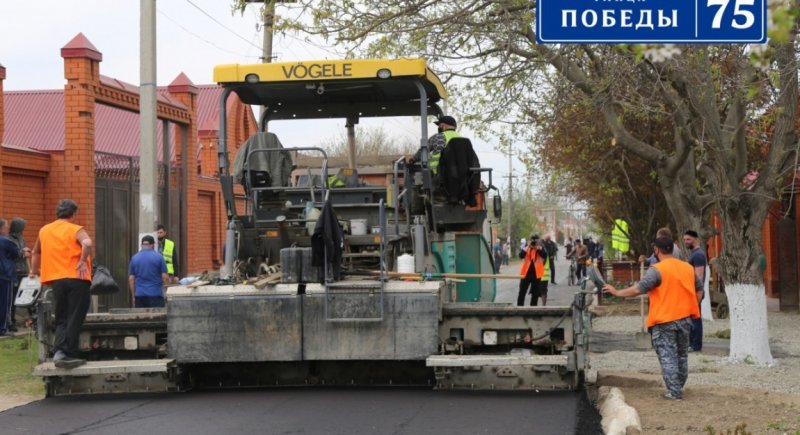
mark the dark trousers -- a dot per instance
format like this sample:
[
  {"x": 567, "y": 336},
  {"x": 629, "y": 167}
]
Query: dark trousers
[
  {"x": 581, "y": 270},
  {"x": 12, "y": 318},
  {"x": 5, "y": 304},
  {"x": 552, "y": 269},
  {"x": 72, "y": 303},
  {"x": 149, "y": 302},
  {"x": 532, "y": 282},
  {"x": 696, "y": 337}
]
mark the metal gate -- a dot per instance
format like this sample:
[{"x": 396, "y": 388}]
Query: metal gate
[{"x": 117, "y": 217}]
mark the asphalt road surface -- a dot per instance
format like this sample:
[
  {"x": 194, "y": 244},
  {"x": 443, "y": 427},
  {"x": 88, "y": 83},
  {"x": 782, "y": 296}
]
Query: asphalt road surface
[
  {"x": 320, "y": 410},
  {"x": 302, "y": 411}
]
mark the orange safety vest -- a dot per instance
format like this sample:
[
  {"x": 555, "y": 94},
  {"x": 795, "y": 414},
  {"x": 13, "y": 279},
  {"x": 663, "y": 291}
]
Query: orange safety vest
[
  {"x": 61, "y": 251},
  {"x": 532, "y": 256},
  {"x": 675, "y": 298}
]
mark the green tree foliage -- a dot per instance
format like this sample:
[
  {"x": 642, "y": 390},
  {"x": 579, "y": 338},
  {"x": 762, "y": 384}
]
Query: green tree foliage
[
  {"x": 711, "y": 95},
  {"x": 580, "y": 151}
]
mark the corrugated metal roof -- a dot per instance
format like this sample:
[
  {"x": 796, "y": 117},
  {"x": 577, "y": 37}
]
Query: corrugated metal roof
[
  {"x": 35, "y": 119},
  {"x": 208, "y": 107}
]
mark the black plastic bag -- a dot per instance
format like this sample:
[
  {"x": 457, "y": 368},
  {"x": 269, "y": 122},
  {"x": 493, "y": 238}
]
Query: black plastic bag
[{"x": 102, "y": 282}]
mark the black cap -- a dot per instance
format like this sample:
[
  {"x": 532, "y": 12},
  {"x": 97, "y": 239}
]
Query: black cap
[
  {"x": 691, "y": 233},
  {"x": 447, "y": 120},
  {"x": 149, "y": 240},
  {"x": 664, "y": 243}
]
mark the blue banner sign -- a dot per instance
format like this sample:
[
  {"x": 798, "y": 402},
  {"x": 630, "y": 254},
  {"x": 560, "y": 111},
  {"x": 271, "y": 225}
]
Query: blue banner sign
[{"x": 651, "y": 21}]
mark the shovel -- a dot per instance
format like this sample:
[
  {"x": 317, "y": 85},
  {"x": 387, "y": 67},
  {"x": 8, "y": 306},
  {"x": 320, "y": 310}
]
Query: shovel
[{"x": 642, "y": 337}]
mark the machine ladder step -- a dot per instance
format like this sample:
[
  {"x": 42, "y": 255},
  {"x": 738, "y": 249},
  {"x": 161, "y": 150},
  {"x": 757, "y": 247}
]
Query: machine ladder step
[{"x": 48, "y": 369}]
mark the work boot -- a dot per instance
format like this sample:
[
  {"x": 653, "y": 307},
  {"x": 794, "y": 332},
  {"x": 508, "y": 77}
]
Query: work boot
[
  {"x": 62, "y": 361},
  {"x": 69, "y": 362}
]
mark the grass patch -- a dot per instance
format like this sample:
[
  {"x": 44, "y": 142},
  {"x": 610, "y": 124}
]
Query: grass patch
[
  {"x": 723, "y": 333},
  {"x": 19, "y": 356}
]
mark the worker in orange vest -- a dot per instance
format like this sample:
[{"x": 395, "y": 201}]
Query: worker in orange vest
[{"x": 532, "y": 254}]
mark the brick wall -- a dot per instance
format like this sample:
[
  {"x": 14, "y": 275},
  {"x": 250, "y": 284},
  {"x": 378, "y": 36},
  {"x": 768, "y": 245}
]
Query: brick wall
[
  {"x": 2, "y": 129},
  {"x": 73, "y": 175},
  {"x": 24, "y": 177}
]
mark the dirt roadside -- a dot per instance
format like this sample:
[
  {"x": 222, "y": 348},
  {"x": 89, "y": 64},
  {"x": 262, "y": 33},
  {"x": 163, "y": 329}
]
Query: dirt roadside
[{"x": 721, "y": 406}]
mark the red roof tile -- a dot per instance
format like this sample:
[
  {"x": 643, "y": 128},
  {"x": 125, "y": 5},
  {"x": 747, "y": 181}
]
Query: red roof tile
[
  {"x": 182, "y": 84},
  {"x": 35, "y": 119},
  {"x": 80, "y": 46}
]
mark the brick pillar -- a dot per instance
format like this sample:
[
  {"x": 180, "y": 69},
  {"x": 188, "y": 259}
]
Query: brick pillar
[
  {"x": 73, "y": 175},
  {"x": 183, "y": 90},
  {"x": 2, "y": 108},
  {"x": 2, "y": 130}
]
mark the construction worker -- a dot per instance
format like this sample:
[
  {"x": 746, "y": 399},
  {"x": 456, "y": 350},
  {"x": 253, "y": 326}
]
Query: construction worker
[
  {"x": 438, "y": 142},
  {"x": 544, "y": 279},
  {"x": 335, "y": 181},
  {"x": 167, "y": 248},
  {"x": 534, "y": 254}
]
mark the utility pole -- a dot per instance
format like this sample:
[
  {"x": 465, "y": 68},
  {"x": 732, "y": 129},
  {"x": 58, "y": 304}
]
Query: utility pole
[
  {"x": 510, "y": 190},
  {"x": 268, "y": 22},
  {"x": 148, "y": 159}
]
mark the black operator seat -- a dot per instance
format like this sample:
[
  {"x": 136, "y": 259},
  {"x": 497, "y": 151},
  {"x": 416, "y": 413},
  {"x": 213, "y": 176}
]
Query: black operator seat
[{"x": 257, "y": 169}]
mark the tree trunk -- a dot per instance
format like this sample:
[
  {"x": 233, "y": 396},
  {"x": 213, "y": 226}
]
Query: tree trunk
[
  {"x": 748, "y": 316},
  {"x": 744, "y": 281}
]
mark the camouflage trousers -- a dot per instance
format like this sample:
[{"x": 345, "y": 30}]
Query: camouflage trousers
[{"x": 671, "y": 343}]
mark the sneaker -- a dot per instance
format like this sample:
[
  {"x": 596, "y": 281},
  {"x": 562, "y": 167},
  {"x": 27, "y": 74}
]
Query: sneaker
[
  {"x": 59, "y": 355},
  {"x": 13, "y": 328},
  {"x": 669, "y": 396},
  {"x": 68, "y": 362},
  {"x": 691, "y": 349}
]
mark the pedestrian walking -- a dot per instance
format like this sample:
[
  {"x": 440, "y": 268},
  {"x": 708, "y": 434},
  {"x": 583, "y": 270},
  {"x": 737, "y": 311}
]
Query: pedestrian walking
[
  {"x": 147, "y": 276},
  {"x": 62, "y": 258},
  {"x": 8, "y": 274},
  {"x": 552, "y": 249},
  {"x": 22, "y": 266},
  {"x": 497, "y": 251},
  {"x": 581, "y": 255},
  {"x": 507, "y": 251},
  {"x": 671, "y": 285}
]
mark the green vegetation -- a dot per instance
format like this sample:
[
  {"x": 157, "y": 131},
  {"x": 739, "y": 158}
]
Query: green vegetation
[
  {"x": 740, "y": 429},
  {"x": 19, "y": 355},
  {"x": 724, "y": 333}
]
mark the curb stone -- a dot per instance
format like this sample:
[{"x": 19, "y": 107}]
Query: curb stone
[{"x": 619, "y": 418}]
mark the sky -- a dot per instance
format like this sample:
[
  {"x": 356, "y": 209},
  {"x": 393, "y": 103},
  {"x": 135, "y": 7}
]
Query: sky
[{"x": 192, "y": 37}]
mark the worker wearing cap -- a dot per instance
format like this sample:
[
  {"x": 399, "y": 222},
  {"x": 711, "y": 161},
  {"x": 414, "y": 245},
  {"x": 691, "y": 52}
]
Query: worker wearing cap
[
  {"x": 147, "y": 276},
  {"x": 438, "y": 142}
]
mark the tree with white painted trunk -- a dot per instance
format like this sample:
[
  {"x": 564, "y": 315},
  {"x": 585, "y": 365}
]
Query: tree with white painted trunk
[{"x": 732, "y": 109}]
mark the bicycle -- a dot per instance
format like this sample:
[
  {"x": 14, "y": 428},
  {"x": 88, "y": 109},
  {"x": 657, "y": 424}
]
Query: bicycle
[{"x": 573, "y": 267}]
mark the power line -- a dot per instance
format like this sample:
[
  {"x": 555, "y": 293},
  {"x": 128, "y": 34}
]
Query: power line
[
  {"x": 200, "y": 37},
  {"x": 223, "y": 25}
]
